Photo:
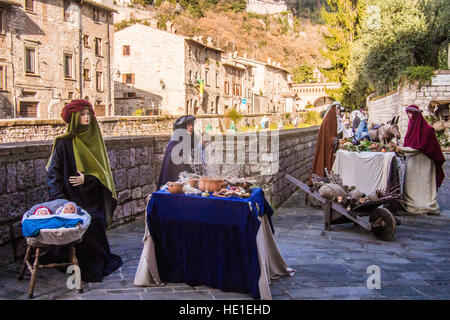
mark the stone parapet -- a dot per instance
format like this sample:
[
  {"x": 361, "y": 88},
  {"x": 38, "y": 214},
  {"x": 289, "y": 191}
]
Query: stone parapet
[
  {"x": 135, "y": 163},
  {"x": 22, "y": 130}
]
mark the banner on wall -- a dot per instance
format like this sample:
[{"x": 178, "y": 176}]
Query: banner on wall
[{"x": 201, "y": 83}]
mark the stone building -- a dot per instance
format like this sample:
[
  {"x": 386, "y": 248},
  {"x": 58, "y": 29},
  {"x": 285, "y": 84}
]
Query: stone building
[
  {"x": 161, "y": 72},
  {"x": 266, "y": 6},
  {"x": 435, "y": 93},
  {"x": 272, "y": 86},
  {"x": 52, "y": 52},
  {"x": 238, "y": 85},
  {"x": 314, "y": 94}
]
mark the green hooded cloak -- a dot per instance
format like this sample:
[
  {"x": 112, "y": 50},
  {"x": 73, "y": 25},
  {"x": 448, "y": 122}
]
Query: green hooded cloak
[{"x": 91, "y": 157}]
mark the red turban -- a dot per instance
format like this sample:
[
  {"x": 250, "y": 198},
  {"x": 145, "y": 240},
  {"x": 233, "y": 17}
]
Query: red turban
[{"x": 75, "y": 106}]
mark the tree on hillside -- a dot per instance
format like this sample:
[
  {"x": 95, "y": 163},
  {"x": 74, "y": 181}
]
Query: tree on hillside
[
  {"x": 436, "y": 38},
  {"x": 305, "y": 8},
  {"x": 402, "y": 34},
  {"x": 341, "y": 19},
  {"x": 234, "y": 5},
  {"x": 303, "y": 73},
  {"x": 198, "y": 8}
]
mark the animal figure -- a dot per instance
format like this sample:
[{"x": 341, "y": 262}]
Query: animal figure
[{"x": 384, "y": 133}]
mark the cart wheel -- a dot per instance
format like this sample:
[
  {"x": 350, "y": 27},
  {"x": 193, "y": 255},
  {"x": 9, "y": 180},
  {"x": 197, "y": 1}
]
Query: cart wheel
[{"x": 387, "y": 228}]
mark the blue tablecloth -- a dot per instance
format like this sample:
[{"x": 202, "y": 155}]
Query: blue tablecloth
[{"x": 208, "y": 240}]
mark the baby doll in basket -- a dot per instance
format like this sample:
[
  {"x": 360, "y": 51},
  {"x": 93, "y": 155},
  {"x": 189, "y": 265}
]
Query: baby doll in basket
[
  {"x": 53, "y": 214},
  {"x": 67, "y": 208}
]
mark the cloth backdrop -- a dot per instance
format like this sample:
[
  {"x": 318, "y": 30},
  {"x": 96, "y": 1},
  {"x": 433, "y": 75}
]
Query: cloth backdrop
[
  {"x": 323, "y": 154},
  {"x": 367, "y": 171}
]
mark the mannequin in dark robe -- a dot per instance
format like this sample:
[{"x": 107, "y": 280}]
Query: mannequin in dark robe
[
  {"x": 93, "y": 253},
  {"x": 170, "y": 171}
]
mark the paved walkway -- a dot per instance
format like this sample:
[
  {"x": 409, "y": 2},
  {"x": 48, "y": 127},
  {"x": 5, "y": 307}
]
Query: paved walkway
[{"x": 330, "y": 265}]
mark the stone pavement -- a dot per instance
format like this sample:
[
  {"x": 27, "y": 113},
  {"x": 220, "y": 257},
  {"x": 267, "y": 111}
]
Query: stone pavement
[{"x": 330, "y": 264}]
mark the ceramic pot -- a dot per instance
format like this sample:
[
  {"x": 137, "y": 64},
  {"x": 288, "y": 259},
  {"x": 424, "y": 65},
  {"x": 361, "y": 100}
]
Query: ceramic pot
[
  {"x": 175, "y": 187},
  {"x": 211, "y": 185},
  {"x": 193, "y": 182}
]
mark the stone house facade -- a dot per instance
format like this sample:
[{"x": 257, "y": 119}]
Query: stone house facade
[
  {"x": 53, "y": 52},
  {"x": 238, "y": 85},
  {"x": 272, "y": 86},
  {"x": 161, "y": 72},
  {"x": 203, "y": 64}
]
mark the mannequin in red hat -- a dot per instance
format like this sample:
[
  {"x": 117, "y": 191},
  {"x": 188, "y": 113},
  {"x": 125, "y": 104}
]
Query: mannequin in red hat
[
  {"x": 79, "y": 171},
  {"x": 424, "y": 173}
]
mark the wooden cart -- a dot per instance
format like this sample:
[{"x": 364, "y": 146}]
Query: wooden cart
[{"x": 382, "y": 222}]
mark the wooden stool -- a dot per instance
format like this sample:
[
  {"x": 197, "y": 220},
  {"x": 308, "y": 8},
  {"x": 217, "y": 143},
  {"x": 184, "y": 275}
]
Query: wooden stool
[{"x": 38, "y": 246}]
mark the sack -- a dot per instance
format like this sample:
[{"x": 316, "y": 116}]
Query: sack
[{"x": 331, "y": 191}]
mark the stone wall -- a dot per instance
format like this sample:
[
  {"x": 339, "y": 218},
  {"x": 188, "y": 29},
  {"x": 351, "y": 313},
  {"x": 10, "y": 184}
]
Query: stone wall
[
  {"x": 384, "y": 108},
  {"x": 21, "y": 130},
  {"x": 135, "y": 164}
]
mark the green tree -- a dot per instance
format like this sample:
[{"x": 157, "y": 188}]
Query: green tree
[
  {"x": 397, "y": 35},
  {"x": 303, "y": 73},
  {"x": 436, "y": 38},
  {"x": 341, "y": 20},
  {"x": 198, "y": 8},
  {"x": 388, "y": 41}
]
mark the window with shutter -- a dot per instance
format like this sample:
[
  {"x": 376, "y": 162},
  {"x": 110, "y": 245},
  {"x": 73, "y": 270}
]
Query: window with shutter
[
  {"x": 28, "y": 109},
  {"x": 128, "y": 78},
  {"x": 29, "y": 5},
  {"x": 126, "y": 50},
  {"x": 30, "y": 60}
]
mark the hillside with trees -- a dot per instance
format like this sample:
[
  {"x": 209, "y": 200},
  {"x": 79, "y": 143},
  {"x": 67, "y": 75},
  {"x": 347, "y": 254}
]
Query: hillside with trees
[
  {"x": 291, "y": 39},
  {"x": 375, "y": 45}
]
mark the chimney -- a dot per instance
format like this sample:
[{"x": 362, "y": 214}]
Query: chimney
[
  {"x": 209, "y": 41},
  {"x": 245, "y": 55},
  {"x": 200, "y": 39},
  {"x": 268, "y": 60}
]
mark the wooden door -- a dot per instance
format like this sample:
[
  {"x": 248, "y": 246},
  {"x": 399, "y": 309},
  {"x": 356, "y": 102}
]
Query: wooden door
[{"x": 100, "y": 110}]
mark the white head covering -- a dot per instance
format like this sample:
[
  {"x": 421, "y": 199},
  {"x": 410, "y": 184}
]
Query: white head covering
[{"x": 340, "y": 125}]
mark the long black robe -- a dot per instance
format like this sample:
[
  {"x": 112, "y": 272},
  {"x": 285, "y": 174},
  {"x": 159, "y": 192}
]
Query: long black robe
[
  {"x": 169, "y": 170},
  {"x": 93, "y": 253}
]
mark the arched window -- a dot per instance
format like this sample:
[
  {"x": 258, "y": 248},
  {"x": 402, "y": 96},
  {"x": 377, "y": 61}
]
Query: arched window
[
  {"x": 86, "y": 70},
  {"x": 99, "y": 76}
]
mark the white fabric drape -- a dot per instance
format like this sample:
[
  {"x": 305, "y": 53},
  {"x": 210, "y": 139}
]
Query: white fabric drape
[{"x": 367, "y": 171}]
